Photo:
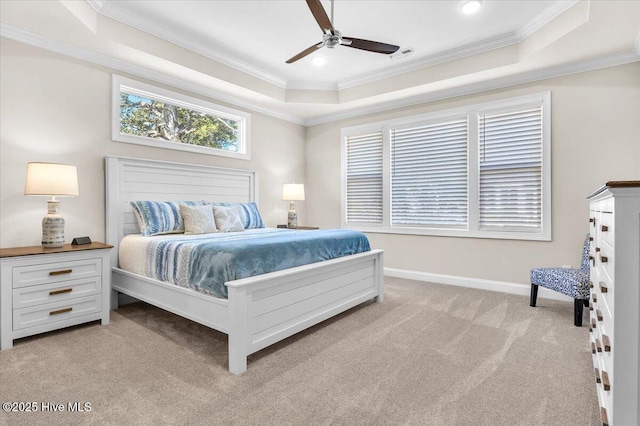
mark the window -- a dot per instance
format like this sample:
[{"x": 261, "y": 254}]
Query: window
[
  {"x": 364, "y": 178},
  {"x": 481, "y": 171},
  {"x": 429, "y": 175},
  {"x": 148, "y": 115}
]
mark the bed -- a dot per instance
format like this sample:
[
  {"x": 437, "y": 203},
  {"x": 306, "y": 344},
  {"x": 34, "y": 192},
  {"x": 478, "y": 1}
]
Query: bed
[{"x": 259, "y": 310}]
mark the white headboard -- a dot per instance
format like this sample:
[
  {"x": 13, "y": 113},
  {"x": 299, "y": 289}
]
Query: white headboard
[{"x": 131, "y": 179}]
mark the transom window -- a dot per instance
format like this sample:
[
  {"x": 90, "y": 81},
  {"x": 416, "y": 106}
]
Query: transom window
[
  {"x": 480, "y": 171},
  {"x": 148, "y": 115}
]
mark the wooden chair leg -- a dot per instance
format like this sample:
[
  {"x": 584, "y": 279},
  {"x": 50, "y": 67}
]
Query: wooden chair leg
[
  {"x": 534, "y": 295},
  {"x": 577, "y": 312}
]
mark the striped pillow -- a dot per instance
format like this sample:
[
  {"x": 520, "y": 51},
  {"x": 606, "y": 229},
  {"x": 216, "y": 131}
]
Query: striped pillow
[
  {"x": 249, "y": 214},
  {"x": 159, "y": 217}
]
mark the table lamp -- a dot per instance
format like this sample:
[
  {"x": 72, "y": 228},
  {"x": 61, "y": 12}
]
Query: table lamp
[
  {"x": 52, "y": 180},
  {"x": 292, "y": 192}
]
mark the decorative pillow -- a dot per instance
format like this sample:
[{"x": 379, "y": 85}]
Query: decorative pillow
[
  {"x": 227, "y": 218},
  {"x": 249, "y": 214},
  {"x": 159, "y": 217},
  {"x": 197, "y": 219}
]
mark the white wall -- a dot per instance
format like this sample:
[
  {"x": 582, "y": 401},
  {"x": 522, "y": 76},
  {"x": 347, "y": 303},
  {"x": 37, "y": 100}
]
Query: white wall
[
  {"x": 595, "y": 138},
  {"x": 53, "y": 108},
  {"x": 58, "y": 109}
]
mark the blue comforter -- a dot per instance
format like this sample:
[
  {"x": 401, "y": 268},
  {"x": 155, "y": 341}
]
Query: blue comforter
[{"x": 235, "y": 255}]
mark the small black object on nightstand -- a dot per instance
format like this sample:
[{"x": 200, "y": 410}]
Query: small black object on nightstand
[{"x": 79, "y": 241}]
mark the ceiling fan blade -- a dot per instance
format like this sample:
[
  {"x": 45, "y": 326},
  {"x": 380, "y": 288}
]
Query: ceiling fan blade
[
  {"x": 371, "y": 46},
  {"x": 305, "y": 52},
  {"x": 319, "y": 13}
]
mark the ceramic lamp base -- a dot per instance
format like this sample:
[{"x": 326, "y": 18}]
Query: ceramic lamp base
[
  {"x": 292, "y": 217},
  {"x": 53, "y": 226}
]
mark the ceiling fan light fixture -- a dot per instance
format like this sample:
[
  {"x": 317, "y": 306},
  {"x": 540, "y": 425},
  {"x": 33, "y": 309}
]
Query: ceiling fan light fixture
[
  {"x": 318, "y": 61},
  {"x": 470, "y": 7}
]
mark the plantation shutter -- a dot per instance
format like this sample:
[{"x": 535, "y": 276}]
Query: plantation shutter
[
  {"x": 511, "y": 170},
  {"x": 364, "y": 178},
  {"x": 429, "y": 175}
]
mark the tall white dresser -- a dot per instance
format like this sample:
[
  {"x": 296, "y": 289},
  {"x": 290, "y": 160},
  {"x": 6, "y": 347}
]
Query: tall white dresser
[{"x": 615, "y": 300}]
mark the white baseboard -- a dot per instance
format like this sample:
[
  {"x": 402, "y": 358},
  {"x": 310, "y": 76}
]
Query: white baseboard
[{"x": 501, "y": 286}]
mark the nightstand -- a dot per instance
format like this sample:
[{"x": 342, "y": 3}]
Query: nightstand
[
  {"x": 45, "y": 289},
  {"x": 302, "y": 228}
]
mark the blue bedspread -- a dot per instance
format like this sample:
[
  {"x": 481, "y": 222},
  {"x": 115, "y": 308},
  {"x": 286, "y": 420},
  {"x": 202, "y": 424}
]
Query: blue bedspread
[{"x": 231, "y": 256}]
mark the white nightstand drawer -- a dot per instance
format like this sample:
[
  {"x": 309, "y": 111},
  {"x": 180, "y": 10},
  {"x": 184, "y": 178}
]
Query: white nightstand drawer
[
  {"x": 45, "y": 273},
  {"x": 56, "y": 292},
  {"x": 58, "y": 311}
]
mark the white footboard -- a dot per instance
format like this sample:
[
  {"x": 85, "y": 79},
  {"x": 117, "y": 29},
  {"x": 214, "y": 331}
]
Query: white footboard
[{"x": 271, "y": 307}]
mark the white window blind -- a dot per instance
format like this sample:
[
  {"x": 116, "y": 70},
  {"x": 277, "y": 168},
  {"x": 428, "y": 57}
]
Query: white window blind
[
  {"x": 429, "y": 175},
  {"x": 510, "y": 161},
  {"x": 364, "y": 155}
]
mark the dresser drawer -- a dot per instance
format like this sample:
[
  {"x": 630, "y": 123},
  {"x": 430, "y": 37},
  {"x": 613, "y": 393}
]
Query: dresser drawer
[
  {"x": 57, "y": 311},
  {"x": 46, "y": 273},
  {"x": 605, "y": 260},
  {"x": 24, "y": 297},
  {"x": 605, "y": 228}
]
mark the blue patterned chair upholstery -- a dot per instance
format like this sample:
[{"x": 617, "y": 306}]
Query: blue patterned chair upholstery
[{"x": 571, "y": 282}]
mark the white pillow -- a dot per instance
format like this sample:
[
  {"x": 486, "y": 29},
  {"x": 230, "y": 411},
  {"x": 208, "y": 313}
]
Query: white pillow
[
  {"x": 227, "y": 218},
  {"x": 197, "y": 219}
]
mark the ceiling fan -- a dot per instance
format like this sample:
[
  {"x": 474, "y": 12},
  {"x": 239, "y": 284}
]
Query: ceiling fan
[{"x": 332, "y": 37}]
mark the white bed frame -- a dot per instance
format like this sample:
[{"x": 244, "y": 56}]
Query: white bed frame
[{"x": 260, "y": 310}]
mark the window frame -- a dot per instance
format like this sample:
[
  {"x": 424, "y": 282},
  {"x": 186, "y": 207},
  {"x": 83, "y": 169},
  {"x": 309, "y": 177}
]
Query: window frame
[
  {"x": 127, "y": 85},
  {"x": 473, "y": 113}
]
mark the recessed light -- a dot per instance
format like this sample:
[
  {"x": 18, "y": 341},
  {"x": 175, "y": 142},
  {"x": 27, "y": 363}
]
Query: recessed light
[
  {"x": 318, "y": 61},
  {"x": 470, "y": 6}
]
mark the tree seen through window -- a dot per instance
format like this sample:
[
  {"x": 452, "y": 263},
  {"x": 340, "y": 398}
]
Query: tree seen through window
[{"x": 140, "y": 116}]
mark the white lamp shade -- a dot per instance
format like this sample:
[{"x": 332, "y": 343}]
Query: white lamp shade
[
  {"x": 293, "y": 191},
  {"x": 51, "y": 179}
]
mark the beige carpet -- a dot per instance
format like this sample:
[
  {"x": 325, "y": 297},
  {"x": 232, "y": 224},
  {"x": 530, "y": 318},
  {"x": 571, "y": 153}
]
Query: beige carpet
[{"x": 430, "y": 354}]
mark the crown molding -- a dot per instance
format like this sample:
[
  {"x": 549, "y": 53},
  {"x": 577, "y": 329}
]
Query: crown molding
[
  {"x": 87, "y": 55},
  {"x": 498, "y": 83},
  {"x": 548, "y": 15},
  {"x": 312, "y": 85},
  {"x": 160, "y": 29},
  {"x": 84, "y": 54},
  {"x": 431, "y": 60}
]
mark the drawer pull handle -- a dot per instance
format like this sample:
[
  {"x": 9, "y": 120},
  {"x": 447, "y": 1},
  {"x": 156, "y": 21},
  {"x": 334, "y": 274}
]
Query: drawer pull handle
[
  {"x": 604, "y": 228},
  {"x": 599, "y": 314},
  {"x": 593, "y": 348},
  {"x": 595, "y": 299},
  {"x": 603, "y": 416},
  {"x": 590, "y": 284},
  {"x": 590, "y": 238},
  {"x": 593, "y": 323},
  {"x": 591, "y": 220},
  {"x": 604, "y": 259},
  {"x": 598, "y": 376},
  {"x": 603, "y": 288},
  {"x": 61, "y": 272},
  {"x": 597, "y": 249},
  {"x": 605, "y": 381},
  {"x": 606, "y": 342},
  {"x": 598, "y": 345},
  {"x": 64, "y": 290},
  {"x": 60, "y": 311}
]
